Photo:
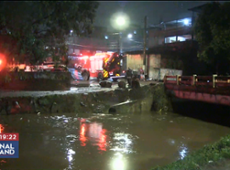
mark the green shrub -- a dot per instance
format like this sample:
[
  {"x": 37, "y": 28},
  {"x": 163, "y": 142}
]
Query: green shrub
[{"x": 212, "y": 153}]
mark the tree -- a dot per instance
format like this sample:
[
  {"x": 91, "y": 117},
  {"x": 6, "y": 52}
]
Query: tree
[
  {"x": 212, "y": 30},
  {"x": 31, "y": 30}
]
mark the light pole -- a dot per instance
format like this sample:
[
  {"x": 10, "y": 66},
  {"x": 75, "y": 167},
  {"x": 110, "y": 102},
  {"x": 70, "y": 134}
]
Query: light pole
[{"x": 120, "y": 21}]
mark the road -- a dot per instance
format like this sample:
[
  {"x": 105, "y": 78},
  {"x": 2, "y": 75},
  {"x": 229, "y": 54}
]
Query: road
[{"x": 83, "y": 87}]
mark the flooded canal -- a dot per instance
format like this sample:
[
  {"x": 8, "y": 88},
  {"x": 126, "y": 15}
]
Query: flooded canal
[{"x": 105, "y": 142}]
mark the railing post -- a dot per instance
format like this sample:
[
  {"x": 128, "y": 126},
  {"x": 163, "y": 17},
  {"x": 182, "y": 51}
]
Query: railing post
[
  {"x": 177, "y": 80},
  {"x": 214, "y": 80},
  {"x": 194, "y": 79}
]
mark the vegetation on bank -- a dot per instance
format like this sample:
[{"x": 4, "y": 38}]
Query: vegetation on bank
[
  {"x": 161, "y": 102},
  {"x": 200, "y": 159}
]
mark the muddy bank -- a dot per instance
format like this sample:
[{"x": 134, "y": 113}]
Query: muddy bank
[{"x": 145, "y": 98}]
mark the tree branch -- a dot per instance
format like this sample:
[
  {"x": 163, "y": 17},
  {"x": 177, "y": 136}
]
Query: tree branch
[{"x": 44, "y": 18}]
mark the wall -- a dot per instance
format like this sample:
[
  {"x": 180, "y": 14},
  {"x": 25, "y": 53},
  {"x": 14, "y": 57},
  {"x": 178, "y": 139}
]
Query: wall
[
  {"x": 154, "y": 41},
  {"x": 159, "y": 73},
  {"x": 134, "y": 61},
  {"x": 154, "y": 65},
  {"x": 171, "y": 72}
]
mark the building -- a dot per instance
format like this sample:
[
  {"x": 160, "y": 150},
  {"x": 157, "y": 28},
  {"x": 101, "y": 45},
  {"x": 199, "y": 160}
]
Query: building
[
  {"x": 170, "y": 32},
  {"x": 171, "y": 47}
]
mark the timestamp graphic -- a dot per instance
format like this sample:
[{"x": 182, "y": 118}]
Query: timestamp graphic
[{"x": 9, "y": 145}]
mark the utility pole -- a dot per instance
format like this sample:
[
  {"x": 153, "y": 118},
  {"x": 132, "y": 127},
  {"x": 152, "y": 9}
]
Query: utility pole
[
  {"x": 119, "y": 42},
  {"x": 145, "y": 63}
]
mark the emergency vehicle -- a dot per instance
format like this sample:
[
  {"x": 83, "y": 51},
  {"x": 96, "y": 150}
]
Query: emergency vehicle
[{"x": 99, "y": 66}]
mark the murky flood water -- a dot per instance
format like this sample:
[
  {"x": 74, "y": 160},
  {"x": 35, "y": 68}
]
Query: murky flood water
[{"x": 105, "y": 142}]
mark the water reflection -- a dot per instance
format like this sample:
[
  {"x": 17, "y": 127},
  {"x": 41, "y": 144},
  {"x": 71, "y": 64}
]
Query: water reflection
[
  {"x": 123, "y": 143},
  {"x": 183, "y": 151},
  {"x": 1, "y": 128},
  {"x": 105, "y": 142},
  {"x": 70, "y": 155},
  {"x": 82, "y": 135},
  {"x": 102, "y": 143},
  {"x": 118, "y": 162},
  {"x": 94, "y": 133}
]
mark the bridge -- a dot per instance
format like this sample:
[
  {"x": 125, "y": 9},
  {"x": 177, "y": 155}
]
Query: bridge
[{"x": 211, "y": 89}]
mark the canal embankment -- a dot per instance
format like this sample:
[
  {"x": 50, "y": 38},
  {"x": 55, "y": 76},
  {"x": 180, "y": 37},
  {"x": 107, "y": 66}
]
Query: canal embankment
[{"x": 95, "y": 100}]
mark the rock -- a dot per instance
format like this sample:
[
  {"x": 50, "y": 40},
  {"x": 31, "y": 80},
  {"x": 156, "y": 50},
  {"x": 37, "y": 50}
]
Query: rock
[
  {"x": 105, "y": 84},
  {"x": 82, "y": 104},
  {"x": 108, "y": 84},
  {"x": 122, "y": 84}
]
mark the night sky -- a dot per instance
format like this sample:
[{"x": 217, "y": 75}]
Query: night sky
[{"x": 136, "y": 11}]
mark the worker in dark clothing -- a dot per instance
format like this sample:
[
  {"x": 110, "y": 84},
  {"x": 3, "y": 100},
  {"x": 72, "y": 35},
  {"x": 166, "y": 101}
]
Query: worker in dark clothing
[{"x": 129, "y": 76}]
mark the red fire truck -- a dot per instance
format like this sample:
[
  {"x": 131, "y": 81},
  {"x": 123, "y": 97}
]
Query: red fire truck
[{"x": 99, "y": 66}]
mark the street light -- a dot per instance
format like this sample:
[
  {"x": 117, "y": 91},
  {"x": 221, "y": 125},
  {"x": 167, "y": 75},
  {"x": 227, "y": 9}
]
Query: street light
[
  {"x": 130, "y": 36},
  {"x": 119, "y": 21},
  {"x": 186, "y": 22}
]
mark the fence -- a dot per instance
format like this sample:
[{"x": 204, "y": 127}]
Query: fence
[{"x": 211, "y": 81}]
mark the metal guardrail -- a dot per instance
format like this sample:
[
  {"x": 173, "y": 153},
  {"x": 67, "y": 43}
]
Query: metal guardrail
[{"x": 213, "y": 81}]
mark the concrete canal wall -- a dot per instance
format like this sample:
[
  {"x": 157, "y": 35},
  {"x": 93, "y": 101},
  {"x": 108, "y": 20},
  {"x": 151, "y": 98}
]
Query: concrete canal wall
[
  {"x": 149, "y": 98},
  {"x": 146, "y": 98}
]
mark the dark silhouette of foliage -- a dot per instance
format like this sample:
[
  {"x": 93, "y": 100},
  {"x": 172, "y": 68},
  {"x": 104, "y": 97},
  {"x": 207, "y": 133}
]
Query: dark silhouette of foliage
[
  {"x": 212, "y": 30},
  {"x": 27, "y": 28}
]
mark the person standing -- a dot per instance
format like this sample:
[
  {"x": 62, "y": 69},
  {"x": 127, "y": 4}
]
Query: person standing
[{"x": 129, "y": 76}]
